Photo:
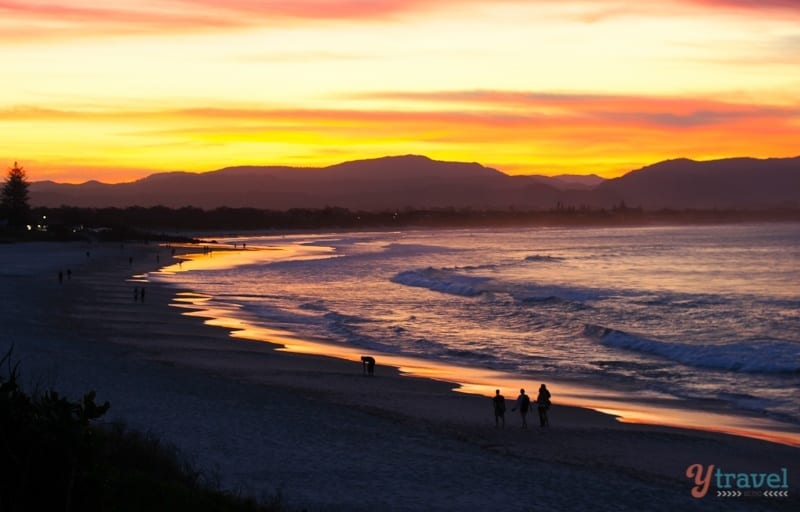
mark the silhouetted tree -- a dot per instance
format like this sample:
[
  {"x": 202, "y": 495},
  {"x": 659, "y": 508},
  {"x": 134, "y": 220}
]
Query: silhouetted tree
[{"x": 14, "y": 202}]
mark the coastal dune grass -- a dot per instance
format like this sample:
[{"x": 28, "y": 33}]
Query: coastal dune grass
[{"x": 54, "y": 455}]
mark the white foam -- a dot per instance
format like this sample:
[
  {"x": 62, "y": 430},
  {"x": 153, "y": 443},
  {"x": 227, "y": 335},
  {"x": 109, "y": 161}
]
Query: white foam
[
  {"x": 755, "y": 356},
  {"x": 444, "y": 281}
]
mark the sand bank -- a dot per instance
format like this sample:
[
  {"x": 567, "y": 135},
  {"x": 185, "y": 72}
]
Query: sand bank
[{"x": 318, "y": 430}]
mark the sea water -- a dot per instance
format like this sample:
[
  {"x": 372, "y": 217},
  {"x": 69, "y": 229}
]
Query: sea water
[{"x": 703, "y": 314}]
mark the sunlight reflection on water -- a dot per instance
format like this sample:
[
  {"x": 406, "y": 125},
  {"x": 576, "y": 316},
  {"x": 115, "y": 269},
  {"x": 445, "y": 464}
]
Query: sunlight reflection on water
[{"x": 674, "y": 311}]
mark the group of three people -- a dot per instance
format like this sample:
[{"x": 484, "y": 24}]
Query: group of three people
[{"x": 523, "y": 405}]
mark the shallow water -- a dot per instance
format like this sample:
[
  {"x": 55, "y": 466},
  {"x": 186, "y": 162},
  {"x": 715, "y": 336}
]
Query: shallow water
[{"x": 708, "y": 315}]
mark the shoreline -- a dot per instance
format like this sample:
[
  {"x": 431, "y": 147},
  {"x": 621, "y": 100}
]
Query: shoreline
[
  {"x": 265, "y": 419},
  {"x": 653, "y": 409}
]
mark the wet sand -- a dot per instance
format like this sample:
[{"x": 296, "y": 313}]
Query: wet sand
[{"x": 314, "y": 428}]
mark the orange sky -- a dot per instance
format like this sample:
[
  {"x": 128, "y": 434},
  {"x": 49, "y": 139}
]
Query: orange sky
[{"x": 117, "y": 90}]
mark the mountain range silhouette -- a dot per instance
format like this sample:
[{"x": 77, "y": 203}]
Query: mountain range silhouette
[{"x": 412, "y": 181}]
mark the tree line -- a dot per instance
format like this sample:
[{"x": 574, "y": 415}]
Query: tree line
[{"x": 160, "y": 218}]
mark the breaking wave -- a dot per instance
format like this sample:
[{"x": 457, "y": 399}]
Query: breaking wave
[
  {"x": 444, "y": 281},
  {"x": 756, "y": 356},
  {"x": 448, "y": 280},
  {"x": 543, "y": 258}
]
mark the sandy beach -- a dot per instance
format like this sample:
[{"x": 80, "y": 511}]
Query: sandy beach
[{"x": 315, "y": 429}]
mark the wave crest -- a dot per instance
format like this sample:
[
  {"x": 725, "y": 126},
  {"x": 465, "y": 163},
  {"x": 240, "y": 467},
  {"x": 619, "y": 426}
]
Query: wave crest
[
  {"x": 444, "y": 281},
  {"x": 543, "y": 258},
  {"x": 756, "y": 356}
]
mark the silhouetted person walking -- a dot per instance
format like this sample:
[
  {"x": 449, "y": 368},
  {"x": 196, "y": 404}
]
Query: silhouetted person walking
[
  {"x": 543, "y": 402},
  {"x": 523, "y": 404},
  {"x": 499, "y": 402}
]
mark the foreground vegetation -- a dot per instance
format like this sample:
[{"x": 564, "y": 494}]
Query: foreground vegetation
[{"x": 56, "y": 457}]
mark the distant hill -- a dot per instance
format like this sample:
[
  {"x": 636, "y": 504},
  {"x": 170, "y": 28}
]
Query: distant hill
[
  {"x": 378, "y": 184},
  {"x": 411, "y": 181},
  {"x": 738, "y": 183}
]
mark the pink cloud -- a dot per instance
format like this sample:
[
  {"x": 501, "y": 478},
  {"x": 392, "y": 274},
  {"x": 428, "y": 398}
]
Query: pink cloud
[
  {"x": 37, "y": 19},
  {"x": 323, "y": 9},
  {"x": 750, "y": 4}
]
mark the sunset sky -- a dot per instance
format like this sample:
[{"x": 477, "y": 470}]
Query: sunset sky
[{"x": 118, "y": 90}]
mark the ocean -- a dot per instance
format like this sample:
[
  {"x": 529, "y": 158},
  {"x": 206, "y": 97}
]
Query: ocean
[{"x": 705, "y": 316}]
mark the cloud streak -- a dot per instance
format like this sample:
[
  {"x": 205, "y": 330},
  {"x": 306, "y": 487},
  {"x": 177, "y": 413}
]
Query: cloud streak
[
  {"x": 750, "y": 5},
  {"x": 489, "y": 107},
  {"x": 667, "y": 112},
  {"x": 512, "y": 130},
  {"x": 32, "y": 20}
]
